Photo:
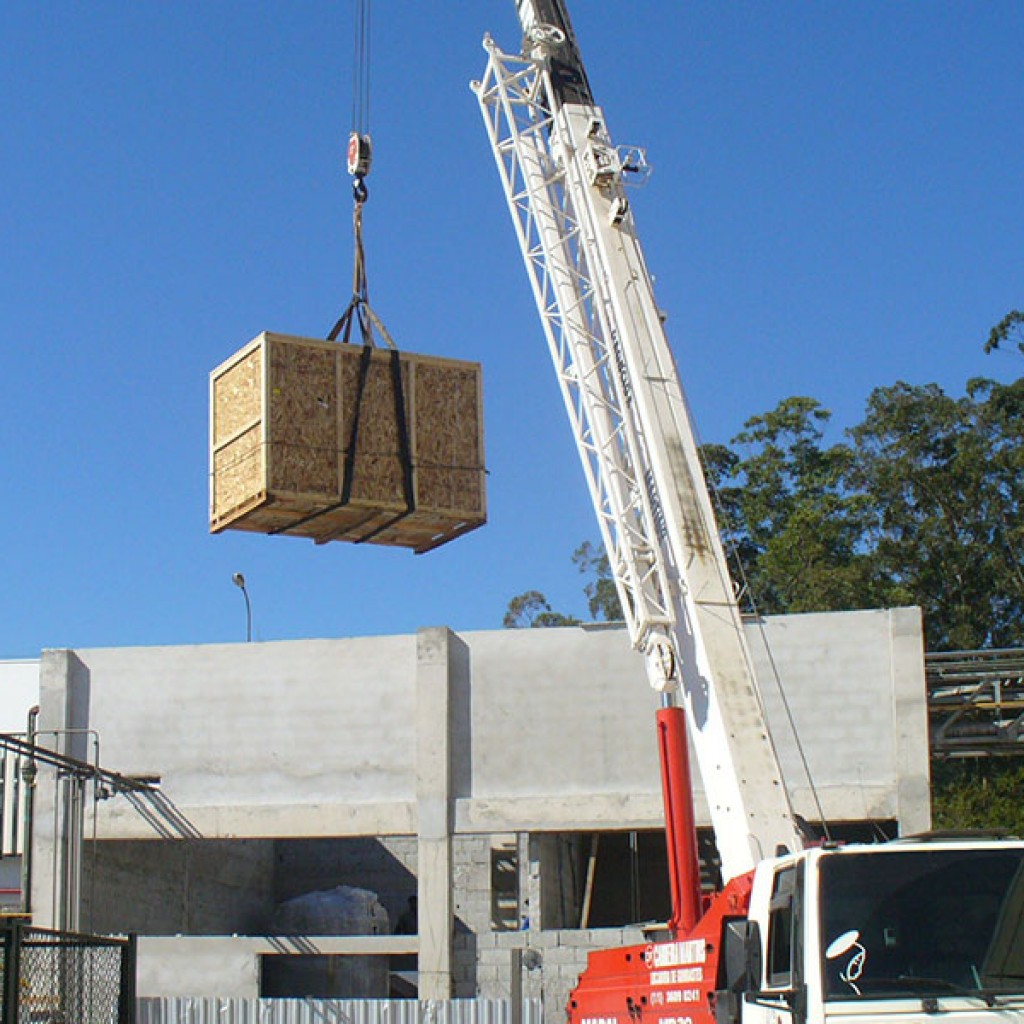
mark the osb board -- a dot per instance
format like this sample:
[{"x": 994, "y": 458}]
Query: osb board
[
  {"x": 306, "y": 414},
  {"x": 448, "y": 455},
  {"x": 302, "y": 425},
  {"x": 237, "y": 472},
  {"x": 237, "y": 395}
]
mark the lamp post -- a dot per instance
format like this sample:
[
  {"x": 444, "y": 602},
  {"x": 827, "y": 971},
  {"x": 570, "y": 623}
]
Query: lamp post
[{"x": 239, "y": 581}]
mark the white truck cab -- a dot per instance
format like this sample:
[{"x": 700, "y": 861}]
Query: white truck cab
[{"x": 902, "y": 931}]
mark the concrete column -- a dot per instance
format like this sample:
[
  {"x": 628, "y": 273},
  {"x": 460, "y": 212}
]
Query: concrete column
[
  {"x": 57, "y": 805},
  {"x": 441, "y": 659},
  {"x": 910, "y": 721}
]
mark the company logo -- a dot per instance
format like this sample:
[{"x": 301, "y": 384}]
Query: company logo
[{"x": 676, "y": 954}]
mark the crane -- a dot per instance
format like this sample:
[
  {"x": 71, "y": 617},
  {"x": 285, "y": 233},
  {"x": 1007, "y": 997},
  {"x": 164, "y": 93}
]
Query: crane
[
  {"x": 795, "y": 931},
  {"x": 564, "y": 182}
]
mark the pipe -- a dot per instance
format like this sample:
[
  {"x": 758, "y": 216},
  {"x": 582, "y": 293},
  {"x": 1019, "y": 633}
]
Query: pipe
[{"x": 29, "y": 779}]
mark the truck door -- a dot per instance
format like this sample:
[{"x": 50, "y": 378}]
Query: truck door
[{"x": 782, "y": 999}]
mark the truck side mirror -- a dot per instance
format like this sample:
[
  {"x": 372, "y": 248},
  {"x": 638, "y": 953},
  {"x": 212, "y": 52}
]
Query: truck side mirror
[{"x": 741, "y": 955}]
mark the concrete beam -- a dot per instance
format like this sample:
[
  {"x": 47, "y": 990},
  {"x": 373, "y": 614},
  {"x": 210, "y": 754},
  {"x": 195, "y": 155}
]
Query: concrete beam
[
  {"x": 229, "y": 966},
  {"x": 117, "y": 819}
]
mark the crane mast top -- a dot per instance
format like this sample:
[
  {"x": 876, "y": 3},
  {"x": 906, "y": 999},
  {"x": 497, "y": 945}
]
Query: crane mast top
[{"x": 564, "y": 183}]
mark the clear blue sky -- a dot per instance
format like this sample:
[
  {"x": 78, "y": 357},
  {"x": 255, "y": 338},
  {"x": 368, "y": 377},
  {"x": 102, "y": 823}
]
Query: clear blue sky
[{"x": 836, "y": 204}]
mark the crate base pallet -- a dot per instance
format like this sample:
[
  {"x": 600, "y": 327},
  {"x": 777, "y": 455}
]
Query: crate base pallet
[{"x": 315, "y": 439}]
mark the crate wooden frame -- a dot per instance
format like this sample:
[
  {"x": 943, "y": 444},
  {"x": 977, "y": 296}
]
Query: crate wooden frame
[{"x": 280, "y": 421}]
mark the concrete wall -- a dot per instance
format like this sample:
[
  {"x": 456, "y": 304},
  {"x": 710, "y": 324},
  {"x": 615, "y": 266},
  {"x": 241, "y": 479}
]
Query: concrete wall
[
  {"x": 855, "y": 686},
  {"x": 229, "y": 966},
  {"x": 441, "y": 741},
  {"x": 186, "y": 887},
  {"x": 551, "y": 729}
]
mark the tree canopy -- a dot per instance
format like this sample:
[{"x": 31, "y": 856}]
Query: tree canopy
[
  {"x": 922, "y": 502},
  {"x": 978, "y": 793},
  {"x": 532, "y": 609}
]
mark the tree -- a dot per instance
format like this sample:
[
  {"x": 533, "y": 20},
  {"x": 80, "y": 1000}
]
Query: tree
[
  {"x": 787, "y": 517},
  {"x": 602, "y": 597},
  {"x": 1011, "y": 326},
  {"x": 920, "y": 503},
  {"x": 978, "y": 794},
  {"x": 532, "y": 609},
  {"x": 944, "y": 479}
]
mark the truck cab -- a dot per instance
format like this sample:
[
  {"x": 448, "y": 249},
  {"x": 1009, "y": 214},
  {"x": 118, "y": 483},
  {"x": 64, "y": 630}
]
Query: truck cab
[{"x": 897, "y": 931}]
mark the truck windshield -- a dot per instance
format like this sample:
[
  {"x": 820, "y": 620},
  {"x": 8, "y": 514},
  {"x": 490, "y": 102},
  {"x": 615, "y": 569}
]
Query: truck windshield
[{"x": 922, "y": 922}]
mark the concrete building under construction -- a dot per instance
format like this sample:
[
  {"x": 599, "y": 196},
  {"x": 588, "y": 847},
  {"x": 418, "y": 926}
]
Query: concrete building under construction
[{"x": 396, "y": 814}]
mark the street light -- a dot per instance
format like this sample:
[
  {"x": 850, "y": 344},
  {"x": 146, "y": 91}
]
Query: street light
[{"x": 239, "y": 581}]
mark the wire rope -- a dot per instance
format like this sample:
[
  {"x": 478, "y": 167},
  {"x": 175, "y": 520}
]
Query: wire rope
[{"x": 361, "y": 68}]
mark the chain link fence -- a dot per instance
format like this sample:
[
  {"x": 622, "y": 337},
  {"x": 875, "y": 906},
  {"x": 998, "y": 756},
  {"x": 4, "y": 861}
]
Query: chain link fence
[{"x": 63, "y": 978}]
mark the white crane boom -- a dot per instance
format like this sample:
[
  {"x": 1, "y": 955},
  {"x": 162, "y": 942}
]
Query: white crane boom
[{"x": 563, "y": 181}]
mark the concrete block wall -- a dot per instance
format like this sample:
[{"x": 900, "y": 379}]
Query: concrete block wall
[
  {"x": 562, "y": 956},
  {"x": 472, "y": 883}
]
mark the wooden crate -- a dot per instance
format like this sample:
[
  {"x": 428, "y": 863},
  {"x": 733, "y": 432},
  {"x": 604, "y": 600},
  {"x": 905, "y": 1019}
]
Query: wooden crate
[{"x": 282, "y": 411}]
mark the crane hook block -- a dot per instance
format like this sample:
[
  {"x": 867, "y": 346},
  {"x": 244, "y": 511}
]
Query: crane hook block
[{"x": 360, "y": 153}]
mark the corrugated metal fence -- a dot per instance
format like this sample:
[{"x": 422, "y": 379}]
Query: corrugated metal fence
[{"x": 333, "y": 1011}]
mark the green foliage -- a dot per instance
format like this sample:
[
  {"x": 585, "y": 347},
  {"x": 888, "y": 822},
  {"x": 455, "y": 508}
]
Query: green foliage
[
  {"x": 532, "y": 609},
  {"x": 602, "y": 596},
  {"x": 922, "y": 503},
  {"x": 1011, "y": 326},
  {"x": 793, "y": 523},
  {"x": 979, "y": 794},
  {"x": 945, "y": 483}
]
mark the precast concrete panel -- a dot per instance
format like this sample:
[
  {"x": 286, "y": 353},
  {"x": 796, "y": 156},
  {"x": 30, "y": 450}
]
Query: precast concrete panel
[
  {"x": 306, "y": 727},
  {"x": 560, "y": 711}
]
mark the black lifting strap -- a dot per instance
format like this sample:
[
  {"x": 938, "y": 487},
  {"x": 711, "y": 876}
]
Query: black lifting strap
[
  {"x": 353, "y": 433},
  {"x": 359, "y": 311}
]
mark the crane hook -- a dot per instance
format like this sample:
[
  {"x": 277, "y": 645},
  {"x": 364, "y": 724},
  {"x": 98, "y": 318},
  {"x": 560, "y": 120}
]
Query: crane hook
[{"x": 358, "y": 159}]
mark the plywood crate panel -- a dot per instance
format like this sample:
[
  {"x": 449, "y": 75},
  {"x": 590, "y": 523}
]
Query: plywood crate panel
[{"x": 283, "y": 412}]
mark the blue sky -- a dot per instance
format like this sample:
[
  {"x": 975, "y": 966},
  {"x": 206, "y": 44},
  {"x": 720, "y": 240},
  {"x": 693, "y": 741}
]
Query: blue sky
[{"x": 836, "y": 204}]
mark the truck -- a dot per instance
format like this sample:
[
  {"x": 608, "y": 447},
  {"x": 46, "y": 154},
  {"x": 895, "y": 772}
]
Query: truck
[{"x": 802, "y": 929}]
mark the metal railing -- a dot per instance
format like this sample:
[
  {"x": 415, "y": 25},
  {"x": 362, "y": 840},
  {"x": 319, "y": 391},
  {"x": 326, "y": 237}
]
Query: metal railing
[{"x": 976, "y": 702}]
